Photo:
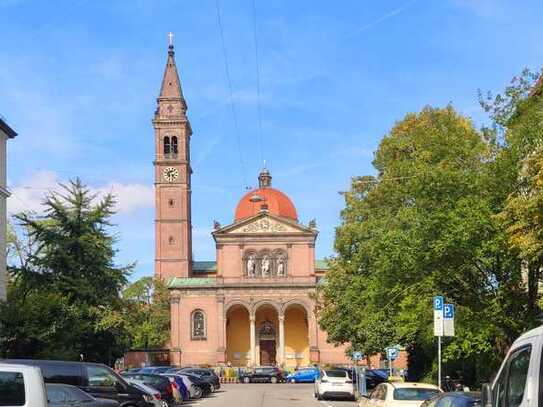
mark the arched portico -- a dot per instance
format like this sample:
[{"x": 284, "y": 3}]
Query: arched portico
[
  {"x": 296, "y": 348},
  {"x": 266, "y": 326},
  {"x": 238, "y": 340}
]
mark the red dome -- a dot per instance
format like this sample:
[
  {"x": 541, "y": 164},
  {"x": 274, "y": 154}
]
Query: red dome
[{"x": 277, "y": 204}]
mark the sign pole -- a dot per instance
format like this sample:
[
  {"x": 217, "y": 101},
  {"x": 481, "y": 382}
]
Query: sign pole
[
  {"x": 390, "y": 366},
  {"x": 439, "y": 362}
]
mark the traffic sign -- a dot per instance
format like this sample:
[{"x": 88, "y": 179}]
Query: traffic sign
[
  {"x": 357, "y": 355},
  {"x": 448, "y": 320},
  {"x": 393, "y": 353},
  {"x": 438, "y": 304},
  {"x": 448, "y": 311}
]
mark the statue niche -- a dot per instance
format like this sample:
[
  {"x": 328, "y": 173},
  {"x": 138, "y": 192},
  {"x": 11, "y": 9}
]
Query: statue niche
[{"x": 265, "y": 264}]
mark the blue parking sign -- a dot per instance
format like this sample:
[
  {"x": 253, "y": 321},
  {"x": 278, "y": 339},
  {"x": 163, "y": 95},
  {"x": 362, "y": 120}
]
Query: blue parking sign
[
  {"x": 393, "y": 353},
  {"x": 357, "y": 355},
  {"x": 438, "y": 303},
  {"x": 448, "y": 311}
]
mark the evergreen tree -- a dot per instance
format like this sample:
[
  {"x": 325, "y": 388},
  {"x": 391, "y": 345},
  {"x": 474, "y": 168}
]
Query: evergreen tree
[{"x": 65, "y": 286}]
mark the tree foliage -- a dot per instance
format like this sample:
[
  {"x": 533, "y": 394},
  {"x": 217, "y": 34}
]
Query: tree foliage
[
  {"x": 435, "y": 220},
  {"x": 64, "y": 281},
  {"x": 147, "y": 309}
]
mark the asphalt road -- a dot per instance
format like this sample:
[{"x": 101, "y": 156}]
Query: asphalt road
[{"x": 267, "y": 395}]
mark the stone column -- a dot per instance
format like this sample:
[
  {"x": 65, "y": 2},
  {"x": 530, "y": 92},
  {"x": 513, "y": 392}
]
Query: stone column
[
  {"x": 313, "y": 334},
  {"x": 221, "y": 330},
  {"x": 175, "y": 353},
  {"x": 252, "y": 324},
  {"x": 281, "y": 360}
]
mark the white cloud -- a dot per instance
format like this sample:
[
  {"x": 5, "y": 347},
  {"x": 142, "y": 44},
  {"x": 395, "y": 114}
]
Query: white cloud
[
  {"x": 30, "y": 196},
  {"x": 130, "y": 196}
]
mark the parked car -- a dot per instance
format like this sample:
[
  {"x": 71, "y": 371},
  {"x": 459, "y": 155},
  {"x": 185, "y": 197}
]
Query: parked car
[
  {"x": 154, "y": 393},
  {"x": 154, "y": 369},
  {"x": 21, "y": 386},
  {"x": 334, "y": 384},
  {"x": 399, "y": 395},
  {"x": 262, "y": 375},
  {"x": 519, "y": 381},
  {"x": 66, "y": 395},
  {"x": 305, "y": 375},
  {"x": 454, "y": 399},
  {"x": 195, "y": 391},
  {"x": 96, "y": 379},
  {"x": 200, "y": 382},
  {"x": 375, "y": 377},
  {"x": 182, "y": 386},
  {"x": 208, "y": 375},
  {"x": 132, "y": 370},
  {"x": 161, "y": 383}
]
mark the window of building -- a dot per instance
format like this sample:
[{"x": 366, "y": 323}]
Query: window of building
[
  {"x": 198, "y": 328},
  {"x": 167, "y": 147},
  {"x": 174, "y": 145},
  {"x": 171, "y": 203},
  {"x": 171, "y": 240}
]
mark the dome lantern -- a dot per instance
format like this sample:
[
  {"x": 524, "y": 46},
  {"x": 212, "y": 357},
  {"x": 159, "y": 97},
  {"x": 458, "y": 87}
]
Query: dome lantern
[{"x": 264, "y": 178}]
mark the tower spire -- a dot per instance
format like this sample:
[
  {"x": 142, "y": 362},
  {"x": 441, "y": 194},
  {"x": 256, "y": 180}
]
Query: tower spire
[{"x": 171, "y": 85}]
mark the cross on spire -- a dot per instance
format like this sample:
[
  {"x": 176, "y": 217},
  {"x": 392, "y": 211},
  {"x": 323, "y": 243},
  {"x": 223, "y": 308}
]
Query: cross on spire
[{"x": 170, "y": 39}]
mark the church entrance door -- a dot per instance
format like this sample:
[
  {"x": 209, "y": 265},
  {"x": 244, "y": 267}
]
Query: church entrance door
[{"x": 267, "y": 353}]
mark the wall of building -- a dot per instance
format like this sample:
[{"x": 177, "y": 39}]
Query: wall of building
[
  {"x": 197, "y": 351},
  {"x": 329, "y": 353}
]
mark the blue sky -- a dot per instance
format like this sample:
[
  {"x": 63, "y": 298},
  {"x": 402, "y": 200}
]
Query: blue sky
[{"x": 78, "y": 81}]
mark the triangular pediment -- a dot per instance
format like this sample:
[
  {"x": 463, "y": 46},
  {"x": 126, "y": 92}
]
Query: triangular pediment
[{"x": 264, "y": 224}]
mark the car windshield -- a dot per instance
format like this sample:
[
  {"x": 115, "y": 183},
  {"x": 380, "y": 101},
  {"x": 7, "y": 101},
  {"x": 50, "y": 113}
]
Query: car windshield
[
  {"x": 419, "y": 394},
  {"x": 335, "y": 373}
]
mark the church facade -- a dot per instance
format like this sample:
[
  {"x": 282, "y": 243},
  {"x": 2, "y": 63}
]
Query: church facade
[{"x": 253, "y": 306}]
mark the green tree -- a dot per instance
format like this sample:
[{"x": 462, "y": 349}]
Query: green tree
[
  {"x": 424, "y": 225},
  {"x": 517, "y": 116},
  {"x": 147, "y": 313},
  {"x": 66, "y": 283}
]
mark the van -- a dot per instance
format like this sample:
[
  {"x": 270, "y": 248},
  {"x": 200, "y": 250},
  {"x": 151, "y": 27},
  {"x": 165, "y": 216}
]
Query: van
[
  {"x": 519, "y": 382},
  {"x": 21, "y": 386},
  {"x": 94, "y": 378}
]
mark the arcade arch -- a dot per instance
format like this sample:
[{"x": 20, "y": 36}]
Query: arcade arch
[{"x": 238, "y": 343}]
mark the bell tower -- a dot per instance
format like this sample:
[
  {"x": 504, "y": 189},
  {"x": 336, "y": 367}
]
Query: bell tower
[{"x": 173, "y": 227}]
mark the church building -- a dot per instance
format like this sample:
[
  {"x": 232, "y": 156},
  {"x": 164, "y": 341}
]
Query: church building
[{"x": 253, "y": 306}]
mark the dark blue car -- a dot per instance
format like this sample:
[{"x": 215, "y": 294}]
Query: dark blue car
[{"x": 305, "y": 375}]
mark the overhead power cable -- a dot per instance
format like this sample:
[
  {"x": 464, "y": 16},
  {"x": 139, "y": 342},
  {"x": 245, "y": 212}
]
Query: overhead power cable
[
  {"x": 229, "y": 82},
  {"x": 257, "y": 67}
]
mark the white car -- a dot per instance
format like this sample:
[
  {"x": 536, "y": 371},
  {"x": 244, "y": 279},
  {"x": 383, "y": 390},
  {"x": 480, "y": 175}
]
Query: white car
[
  {"x": 399, "y": 395},
  {"x": 334, "y": 383},
  {"x": 154, "y": 394},
  {"x": 22, "y": 386}
]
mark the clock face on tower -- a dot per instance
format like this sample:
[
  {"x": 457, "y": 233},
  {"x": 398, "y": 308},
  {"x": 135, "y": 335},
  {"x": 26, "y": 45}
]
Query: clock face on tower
[{"x": 170, "y": 174}]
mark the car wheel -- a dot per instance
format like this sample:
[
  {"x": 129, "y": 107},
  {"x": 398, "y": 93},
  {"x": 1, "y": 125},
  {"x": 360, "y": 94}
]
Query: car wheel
[
  {"x": 273, "y": 380},
  {"x": 246, "y": 380},
  {"x": 213, "y": 388},
  {"x": 165, "y": 403},
  {"x": 198, "y": 393}
]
